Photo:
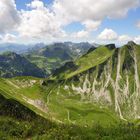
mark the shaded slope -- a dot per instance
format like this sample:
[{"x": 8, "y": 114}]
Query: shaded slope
[
  {"x": 12, "y": 64},
  {"x": 12, "y": 108}
]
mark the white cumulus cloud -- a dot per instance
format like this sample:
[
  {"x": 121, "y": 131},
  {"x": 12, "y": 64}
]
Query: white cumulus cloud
[
  {"x": 39, "y": 22},
  {"x": 137, "y": 39},
  {"x": 124, "y": 38},
  {"x": 36, "y": 4},
  {"x": 108, "y": 34},
  {"x": 9, "y": 38},
  {"x": 80, "y": 34},
  {"x": 83, "y": 10},
  {"x": 91, "y": 25},
  {"x": 9, "y": 16}
]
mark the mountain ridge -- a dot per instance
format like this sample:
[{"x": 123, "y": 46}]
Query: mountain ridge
[{"x": 109, "y": 82}]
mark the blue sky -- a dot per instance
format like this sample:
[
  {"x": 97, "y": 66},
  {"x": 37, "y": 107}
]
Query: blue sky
[
  {"x": 21, "y": 4},
  {"x": 63, "y": 20}
]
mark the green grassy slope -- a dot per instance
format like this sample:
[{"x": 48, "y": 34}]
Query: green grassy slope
[
  {"x": 19, "y": 121},
  {"x": 108, "y": 77},
  {"x": 99, "y": 89},
  {"x": 87, "y": 61},
  {"x": 23, "y": 91},
  {"x": 59, "y": 107}
]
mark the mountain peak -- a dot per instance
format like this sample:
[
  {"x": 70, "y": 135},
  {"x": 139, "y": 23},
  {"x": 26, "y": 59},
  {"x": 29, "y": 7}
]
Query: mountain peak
[{"x": 131, "y": 43}]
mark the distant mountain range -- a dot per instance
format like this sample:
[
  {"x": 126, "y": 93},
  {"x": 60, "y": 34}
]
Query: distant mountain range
[{"x": 19, "y": 48}]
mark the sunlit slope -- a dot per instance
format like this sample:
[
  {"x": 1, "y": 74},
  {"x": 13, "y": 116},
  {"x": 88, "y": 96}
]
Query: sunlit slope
[
  {"x": 18, "y": 122},
  {"x": 111, "y": 80},
  {"x": 25, "y": 90},
  {"x": 91, "y": 59},
  {"x": 101, "y": 86},
  {"x": 84, "y": 99},
  {"x": 12, "y": 65},
  {"x": 59, "y": 107}
]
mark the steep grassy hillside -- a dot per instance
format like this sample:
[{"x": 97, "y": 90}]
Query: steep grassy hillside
[
  {"x": 87, "y": 61},
  {"x": 17, "y": 122},
  {"x": 23, "y": 101},
  {"x": 29, "y": 92},
  {"x": 107, "y": 77}
]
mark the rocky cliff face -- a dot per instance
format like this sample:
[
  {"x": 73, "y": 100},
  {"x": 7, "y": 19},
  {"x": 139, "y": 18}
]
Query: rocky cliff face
[{"x": 114, "y": 83}]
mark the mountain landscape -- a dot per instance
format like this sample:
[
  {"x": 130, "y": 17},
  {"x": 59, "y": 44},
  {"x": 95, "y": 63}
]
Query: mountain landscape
[
  {"x": 110, "y": 78},
  {"x": 69, "y": 70},
  {"x": 55, "y": 55},
  {"x": 91, "y": 92},
  {"x": 40, "y": 60}
]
